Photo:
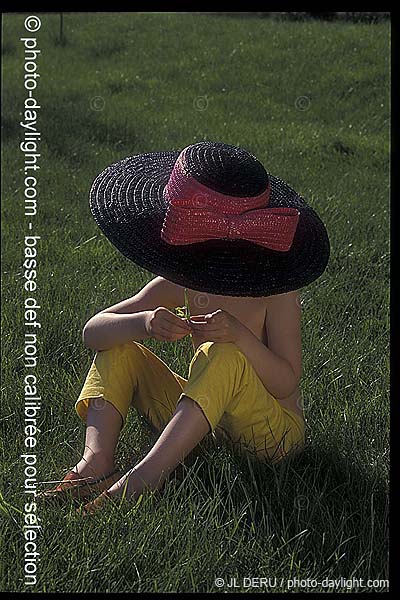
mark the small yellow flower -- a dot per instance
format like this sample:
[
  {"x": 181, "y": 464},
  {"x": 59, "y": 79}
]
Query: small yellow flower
[
  {"x": 183, "y": 311},
  {"x": 180, "y": 311}
]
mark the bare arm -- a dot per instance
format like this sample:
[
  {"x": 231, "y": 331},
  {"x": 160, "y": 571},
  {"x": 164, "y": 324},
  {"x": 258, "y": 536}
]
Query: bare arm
[
  {"x": 130, "y": 319},
  {"x": 105, "y": 330},
  {"x": 279, "y": 365}
]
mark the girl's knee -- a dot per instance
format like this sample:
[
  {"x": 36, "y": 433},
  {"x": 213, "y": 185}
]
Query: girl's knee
[
  {"x": 225, "y": 350},
  {"x": 130, "y": 352},
  {"x": 131, "y": 347}
]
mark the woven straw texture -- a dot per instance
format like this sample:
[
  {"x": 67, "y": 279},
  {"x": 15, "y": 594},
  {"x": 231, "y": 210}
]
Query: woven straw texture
[{"x": 128, "y": 204}]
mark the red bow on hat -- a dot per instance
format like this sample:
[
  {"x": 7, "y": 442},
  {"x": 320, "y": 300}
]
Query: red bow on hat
[{"x": 195, "y": 213}]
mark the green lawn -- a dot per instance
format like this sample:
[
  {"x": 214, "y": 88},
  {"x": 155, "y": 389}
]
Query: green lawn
[{"x": 311, "y": 100}]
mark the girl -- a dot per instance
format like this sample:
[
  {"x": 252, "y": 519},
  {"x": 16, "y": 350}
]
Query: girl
[{"x": 239, "y": 244}]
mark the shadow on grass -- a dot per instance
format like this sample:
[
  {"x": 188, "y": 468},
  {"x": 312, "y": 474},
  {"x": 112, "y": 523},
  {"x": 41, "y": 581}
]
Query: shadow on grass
[{"x": 340, "y": 511}]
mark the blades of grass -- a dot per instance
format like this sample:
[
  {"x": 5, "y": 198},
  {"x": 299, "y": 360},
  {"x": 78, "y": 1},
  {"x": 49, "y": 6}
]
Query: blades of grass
[
  {"x": 187, "y": 305},
  {"x": 4, "y": 505}
]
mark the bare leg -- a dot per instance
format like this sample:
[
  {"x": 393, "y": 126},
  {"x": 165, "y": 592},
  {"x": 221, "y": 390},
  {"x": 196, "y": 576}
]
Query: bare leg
[
  {"x": 103, "y": 426},
  {"x": 184, "y": 431}
]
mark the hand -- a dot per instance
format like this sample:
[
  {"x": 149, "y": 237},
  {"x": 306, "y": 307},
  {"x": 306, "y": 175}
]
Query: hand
[
  {"x": 218, "y": 326},
  {"x": 164, "y": 325}
]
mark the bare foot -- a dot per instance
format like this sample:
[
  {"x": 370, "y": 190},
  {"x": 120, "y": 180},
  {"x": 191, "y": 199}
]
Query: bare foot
[{"x": 94, "y": 466}]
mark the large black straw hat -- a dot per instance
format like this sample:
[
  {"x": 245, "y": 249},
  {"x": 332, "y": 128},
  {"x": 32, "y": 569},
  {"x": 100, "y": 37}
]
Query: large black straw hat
[{"x": 212, "y": 219}]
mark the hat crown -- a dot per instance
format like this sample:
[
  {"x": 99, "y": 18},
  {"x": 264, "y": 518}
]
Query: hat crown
[{"x": 223, "y": 168}]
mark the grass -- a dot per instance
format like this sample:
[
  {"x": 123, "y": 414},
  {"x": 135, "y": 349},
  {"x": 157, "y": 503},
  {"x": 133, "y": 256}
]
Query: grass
[{"x": 311, "y": 100}]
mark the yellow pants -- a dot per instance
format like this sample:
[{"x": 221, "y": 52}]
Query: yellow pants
[{"x": 221, "y": 381}]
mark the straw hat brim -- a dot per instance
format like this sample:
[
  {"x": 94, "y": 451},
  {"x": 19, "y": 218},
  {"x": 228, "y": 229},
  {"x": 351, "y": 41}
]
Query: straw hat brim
[{"x": 126, "y": 200}]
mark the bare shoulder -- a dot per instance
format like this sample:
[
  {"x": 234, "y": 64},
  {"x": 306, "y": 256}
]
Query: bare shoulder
[
  {"x": 283, "y": 327},
  {"x": 173, "y": 293},
  {"x": 287, "y": 298},
  {"x": 157, "y": 292},
  {"x": 283, "y": 309},
  {"x": 163, "y": 292}
]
